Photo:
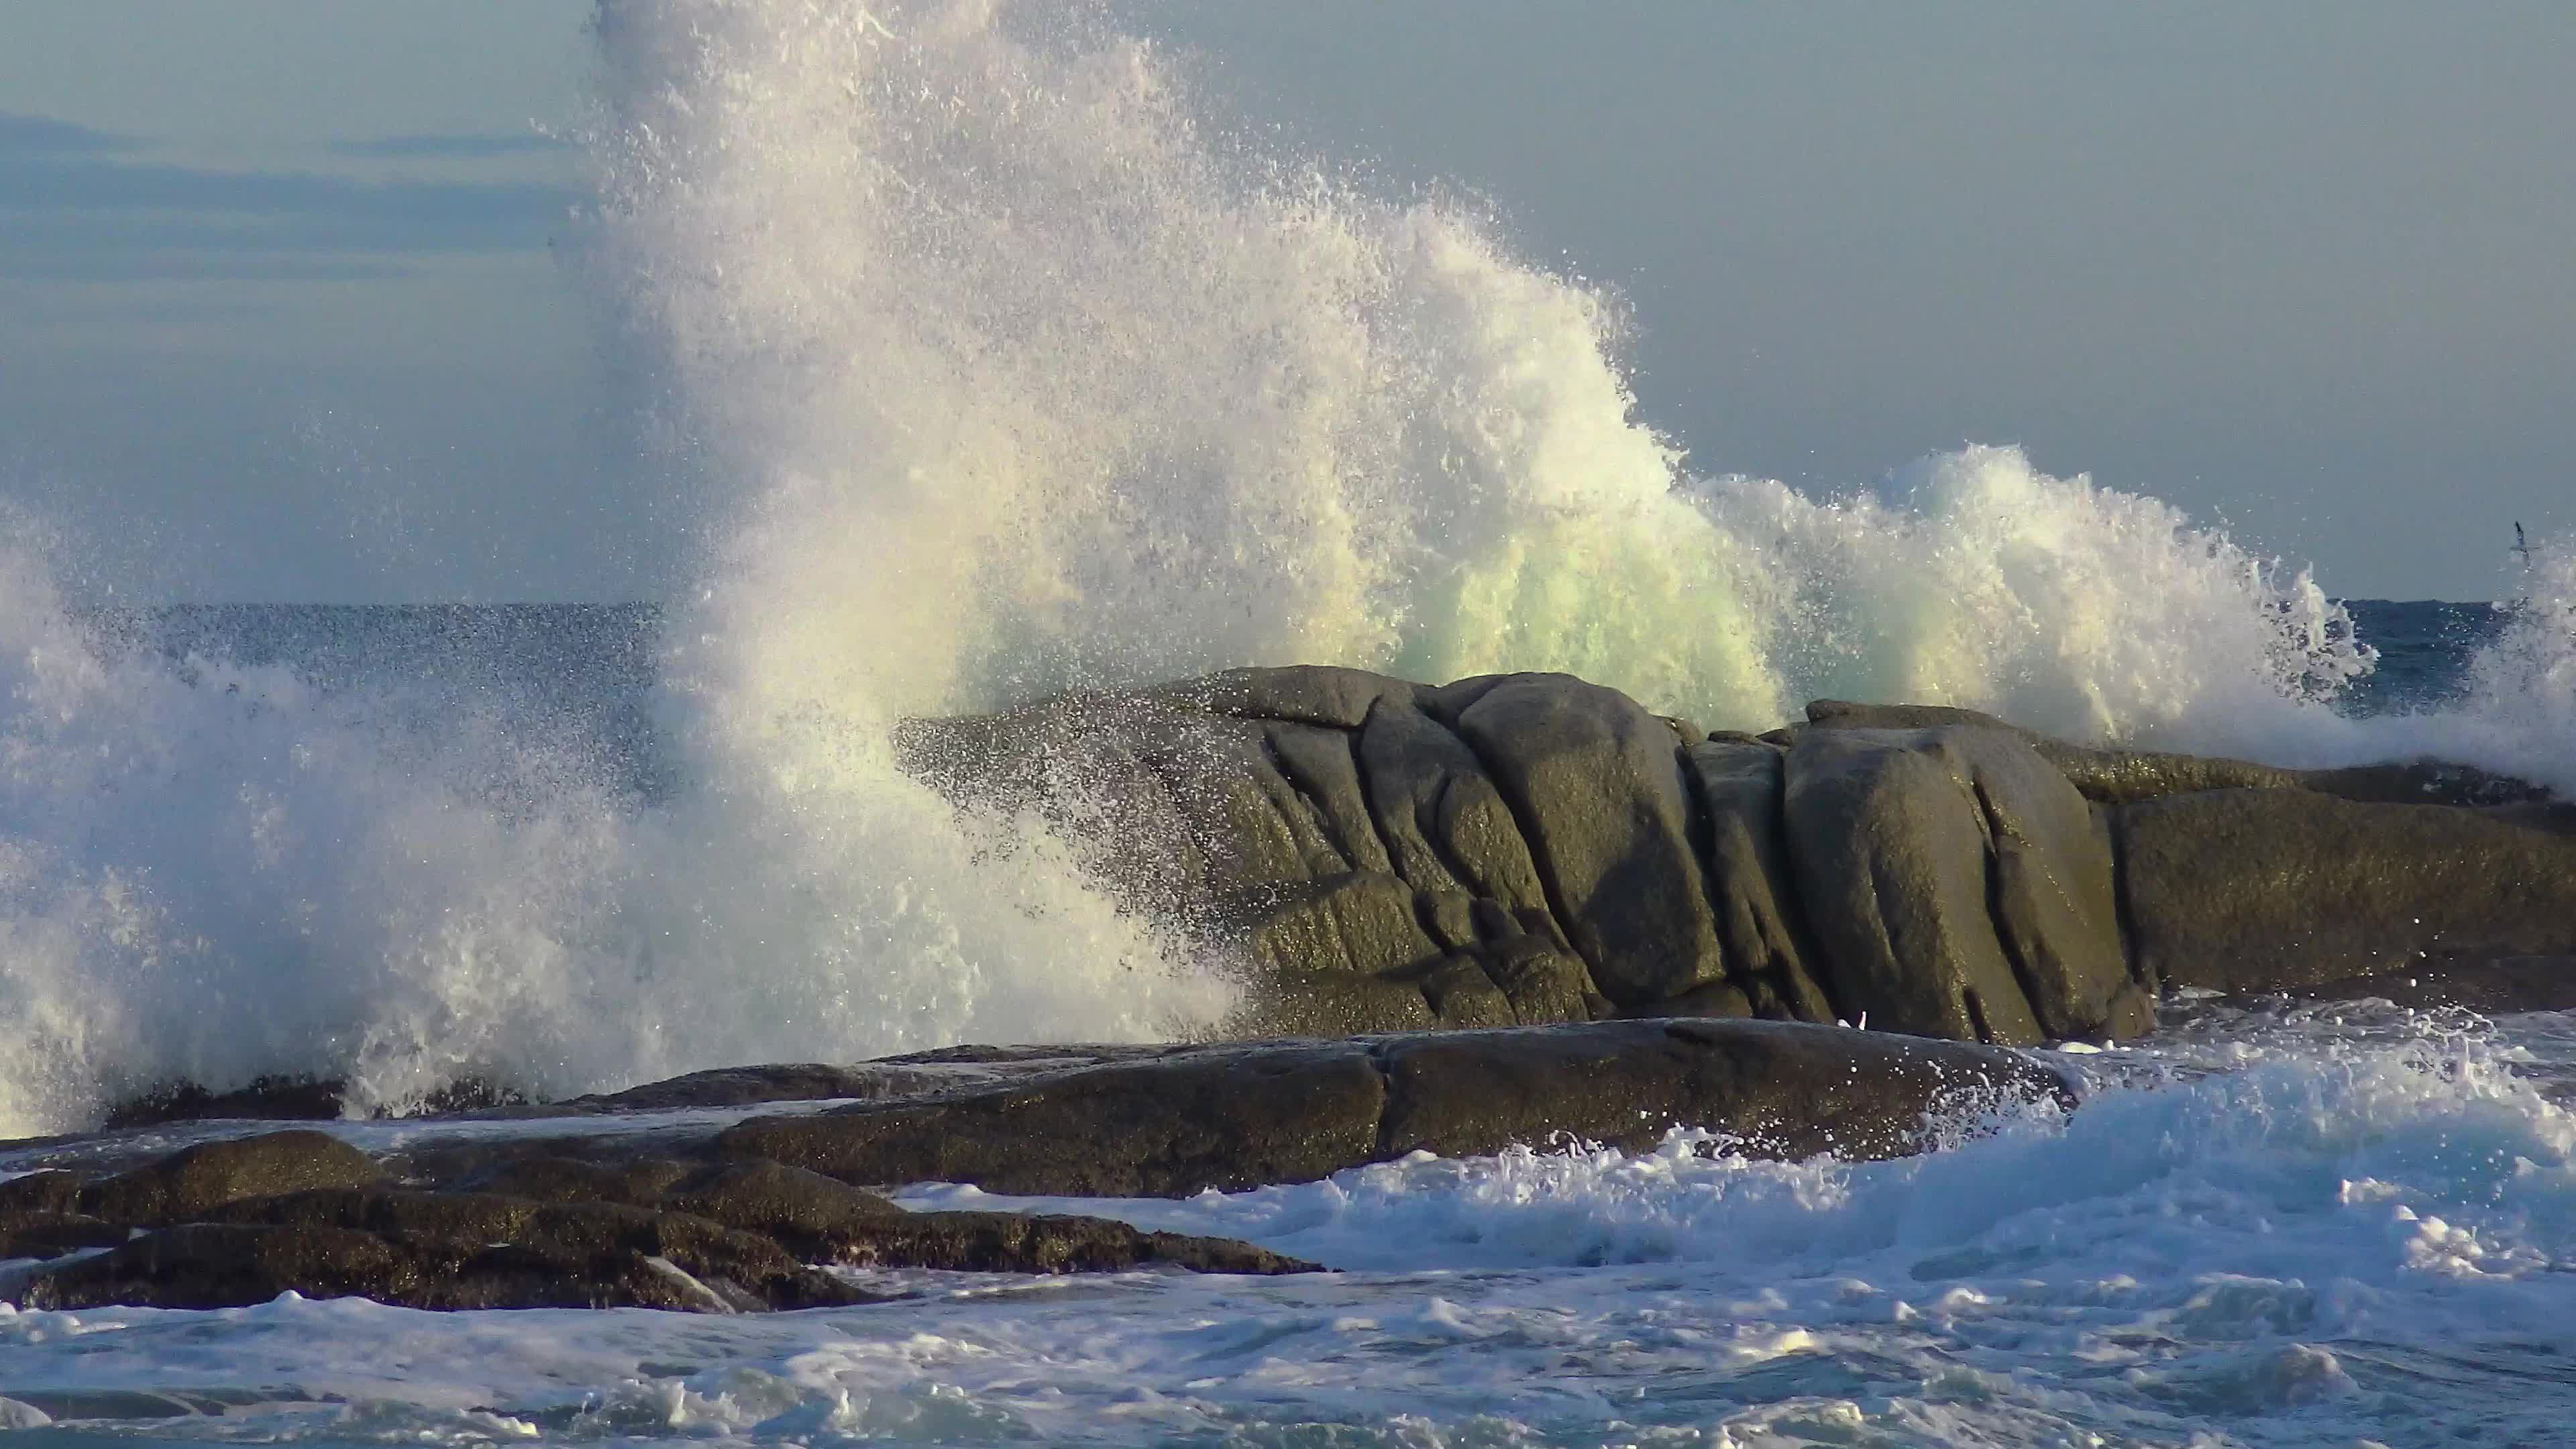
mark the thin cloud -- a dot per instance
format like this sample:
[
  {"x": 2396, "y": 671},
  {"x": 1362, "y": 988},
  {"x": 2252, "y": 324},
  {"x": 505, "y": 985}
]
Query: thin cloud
[
  {"x": 24, "y": 135},
  {"x": 147, "y": 265},
  {"x": 69, "y": 215},
  {"x": 458, "y": 147}
]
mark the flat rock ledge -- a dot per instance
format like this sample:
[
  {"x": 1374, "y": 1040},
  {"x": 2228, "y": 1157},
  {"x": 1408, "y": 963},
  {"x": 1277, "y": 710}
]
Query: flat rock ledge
[
  {"x": 238, "y": 1221},
  {"x": 1381, "y": 855},
  {"x": 670, "y": 1211}
]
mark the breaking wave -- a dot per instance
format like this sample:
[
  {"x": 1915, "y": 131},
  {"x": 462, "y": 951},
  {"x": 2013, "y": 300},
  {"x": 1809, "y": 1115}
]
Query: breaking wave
[{"x": 1007, "y": 367}]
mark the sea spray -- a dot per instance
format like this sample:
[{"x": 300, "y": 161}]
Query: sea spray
[
  {"x": 211, "y": 873},
  {"x": 1008, "y": 367},
  {"x": 1031, "y": 376}
]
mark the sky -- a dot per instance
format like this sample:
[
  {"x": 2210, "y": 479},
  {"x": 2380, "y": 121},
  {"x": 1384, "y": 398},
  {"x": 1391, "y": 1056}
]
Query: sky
[{"x": 285, "y": 310}]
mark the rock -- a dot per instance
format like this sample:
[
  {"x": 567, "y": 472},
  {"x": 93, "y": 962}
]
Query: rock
[
  {"x": 2119, "y": 776},
  {"x": 1385, "y": 856},
  {"x": 1778, "y": 1089},
  {"x": 1314, "y": 694},
  {"x": 732, "y": 1238},
  {"x": 1959, "y": 884},
  {"x": 1723, "y": 1000},
  {"x": 1217, "y": 1117},
  {"x": 1358, "y": 924},
  {"x": 2241, "y": 890},
  {"x": 806, "y": 1210},
  {"x": 1318, "y": 764},
  {"x": 486, "y": 1250},
  {"x": 1596, "y": 784},
  {"x": 2422, "y": 782},
  {"x": 1162, "y": 782},
  {"x": 1461, "y": 994},
  {"x": 188, "y": 1182},
  {"x": 567, "y": 1232},
  {"x": 1240, "y": 1116},
  {"x": 50, "y": 1192},
  {"x": 2511, "y": 983},
  {"x": 746, "y": 1086},
  {"x": 555, "y": 1179},
  {"x": 993, "y": 1242},
  {"x": 1542, "y": 984},
  {"x": 270, "y": 1099},
  {"x": 288, "y": 1099},
  {"x": 458, "y": 1254},
  {"x": 1761, "y": 924},
  {"x": 909, "y": 1075},
  {"x": 2109, "y": 776},
  {"x": 824, "y": 1220},
  {"x": 1447, "y": 827},
  {"x": 208, "y": 1265},
  {"x": 50, "y": 1235}
]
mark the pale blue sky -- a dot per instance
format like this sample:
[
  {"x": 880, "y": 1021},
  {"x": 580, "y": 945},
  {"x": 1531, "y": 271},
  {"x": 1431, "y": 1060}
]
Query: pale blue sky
[{"x": 280, "y": 316}]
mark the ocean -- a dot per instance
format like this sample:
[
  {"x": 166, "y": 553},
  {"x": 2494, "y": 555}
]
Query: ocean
[{"x": 1010, "y": 370}]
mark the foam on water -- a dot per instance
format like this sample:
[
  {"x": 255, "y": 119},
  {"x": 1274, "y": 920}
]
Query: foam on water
[
  {"x": 2333, "y": 1239},
  {"x": 1009, "y": 367}
]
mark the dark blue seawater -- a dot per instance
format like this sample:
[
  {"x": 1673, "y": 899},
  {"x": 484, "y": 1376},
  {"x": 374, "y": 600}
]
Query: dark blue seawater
[
  {"x": 585, "y": 672},
  {"x": 2424, "y": 645}
]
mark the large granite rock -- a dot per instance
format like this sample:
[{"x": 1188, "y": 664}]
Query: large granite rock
[
  {"x": 2240, "y": 890},
  {"x": 1961, "y": 885},
  {"x": 1523, "y": 849},
  {"x": 1613, "y": 852}
]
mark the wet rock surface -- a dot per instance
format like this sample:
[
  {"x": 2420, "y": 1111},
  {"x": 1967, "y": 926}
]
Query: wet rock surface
[
  {"x": 525, "y": 1232},
  {"x": 676, "y": 1209},
  {"x": 1238, "y": 1116},
  {"x": 1525, "y": 849}
]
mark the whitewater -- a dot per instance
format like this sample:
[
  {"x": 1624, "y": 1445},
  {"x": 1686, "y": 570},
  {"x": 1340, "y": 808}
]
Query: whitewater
[{"x": 1007, "y": 364}]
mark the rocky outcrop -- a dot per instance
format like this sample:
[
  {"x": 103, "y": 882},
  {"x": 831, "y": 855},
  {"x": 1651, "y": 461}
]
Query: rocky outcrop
[
  {"x": 1243, "y": 1115},
  {"x": 2243, "y": 890},
  {"x": 1526, "y": 849},
  {"x": 676, "y": 1213},
  {"x": 520, "y": 1232}
]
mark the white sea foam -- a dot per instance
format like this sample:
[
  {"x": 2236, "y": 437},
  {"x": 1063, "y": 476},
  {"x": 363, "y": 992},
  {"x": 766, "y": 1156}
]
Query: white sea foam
[
  {"x": 1009, "y": 367},
  {"x": 2339, "y": 1238}
]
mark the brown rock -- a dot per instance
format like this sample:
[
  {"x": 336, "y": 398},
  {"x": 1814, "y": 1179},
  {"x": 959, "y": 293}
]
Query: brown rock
[
  {"x": 1780, "y": 1089},
  {"x": 1217, "y": 1117},
  {"x": 1595, "y": 782},
  {"x": 1233, "y": 1117},
  {"x": 189, "y": 1182},
  {"x": 2244, "y": 890}
]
